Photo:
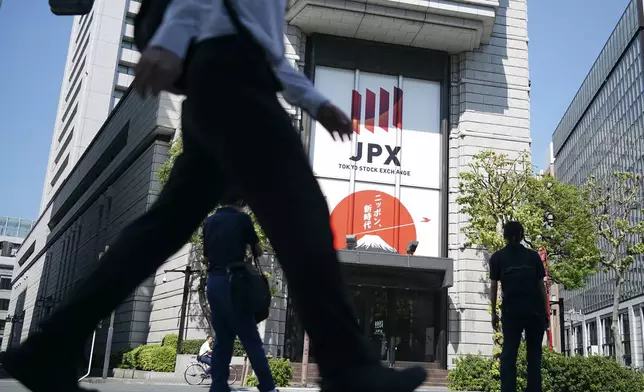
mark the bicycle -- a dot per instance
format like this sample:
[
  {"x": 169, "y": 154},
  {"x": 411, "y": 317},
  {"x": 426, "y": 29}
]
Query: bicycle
[{"x": 195, "y": 374}]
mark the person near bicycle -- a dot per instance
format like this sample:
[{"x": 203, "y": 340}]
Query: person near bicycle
[
  {"x": 227, "y": 235},
  {"x": 205, "y": 353}
]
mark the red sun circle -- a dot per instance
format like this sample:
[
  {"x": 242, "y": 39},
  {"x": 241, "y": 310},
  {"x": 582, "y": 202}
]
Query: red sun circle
[{"x": 379, "y": 221}]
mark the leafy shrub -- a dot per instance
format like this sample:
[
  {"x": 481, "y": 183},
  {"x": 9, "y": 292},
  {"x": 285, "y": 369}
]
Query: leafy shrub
[
  {"x": 560, "y": 374},
  {"x": 589, "y": 374},
  {"x": 472, "y": 373},
  {"x": 170, "y": 340},
  {"x": 191, "y": 346},
  {"x": 238, "y": 348},
  {"x": 157, "y": 358},
  {"x": 151, "y": 357},
  {"x": 131, "y": 358},
  {"x": 280, "y": 369}
]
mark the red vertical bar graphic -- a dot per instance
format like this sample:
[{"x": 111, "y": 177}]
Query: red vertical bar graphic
[
  {"x": 397, "y": 243},
  {"x": 356, "y": 108},
  {"x": 383, "y": 120},
  {"x": 398, "y": 108},
  {"x": 370, "y": 111}
]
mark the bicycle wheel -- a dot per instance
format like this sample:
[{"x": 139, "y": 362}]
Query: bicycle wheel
[
  {"x": 233, "y": 375},
  {"x": 194, "y": 374}
]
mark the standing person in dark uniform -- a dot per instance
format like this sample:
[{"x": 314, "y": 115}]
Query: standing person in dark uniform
[
  {"x": 234, "y": 131},
  {"x": 523, "y": 307},
  {"x": 227, "y": 235}
]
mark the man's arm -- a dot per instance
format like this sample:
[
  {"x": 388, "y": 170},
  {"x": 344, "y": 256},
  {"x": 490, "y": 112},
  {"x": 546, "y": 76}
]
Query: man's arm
[
  {"x": 494, "y": 291},
  {"x": 252, "y": 239},
  {"x": 298, "y": 89},
  {"x": 181, "y": 23},
  {"x": 541, "y": 274},
  {"x": 495, "y": 276}
]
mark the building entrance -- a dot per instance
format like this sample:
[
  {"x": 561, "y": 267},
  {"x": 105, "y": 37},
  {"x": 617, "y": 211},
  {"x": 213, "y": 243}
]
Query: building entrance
[
  {"x": 400, "y": 323},
  {"x": 402, "y": 311}
]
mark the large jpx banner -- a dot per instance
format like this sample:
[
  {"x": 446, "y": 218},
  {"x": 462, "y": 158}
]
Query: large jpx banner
[{"x": 384, "y": 186}]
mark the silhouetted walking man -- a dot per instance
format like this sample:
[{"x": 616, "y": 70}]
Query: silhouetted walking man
[
  {"x": 227, "y": 235},
  {"x": 523, "y": 306},
  {"x": 234, "y": 131}
]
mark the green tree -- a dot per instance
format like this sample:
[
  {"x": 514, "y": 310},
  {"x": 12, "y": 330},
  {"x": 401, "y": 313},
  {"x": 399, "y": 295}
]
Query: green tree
[
  {"x": 616, "y": 205},
  {"x": 497, "y": 189},
  {"x": 197, "y": 259}
]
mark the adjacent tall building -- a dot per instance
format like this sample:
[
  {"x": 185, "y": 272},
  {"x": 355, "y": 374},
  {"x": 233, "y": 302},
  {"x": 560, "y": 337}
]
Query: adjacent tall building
[
  {"x": 428, "y": 84},
  {"x": 98, "y": 69},
  {"x": 12, "y": 233},
  {"x": 603, "y": 132}
]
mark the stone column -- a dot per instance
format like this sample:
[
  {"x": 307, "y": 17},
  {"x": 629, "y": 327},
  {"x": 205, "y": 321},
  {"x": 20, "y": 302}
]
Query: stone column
[{"x": 489, "y": 109}]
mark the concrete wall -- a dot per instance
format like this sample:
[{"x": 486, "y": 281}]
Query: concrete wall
[
  {"x": 490, "y": 109},
  {"x": 91, "y": 208}
]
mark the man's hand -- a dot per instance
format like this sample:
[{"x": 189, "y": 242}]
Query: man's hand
[
  {"x": 335, "y": 121},
  {"x": 495, "y": 322},
  {"x": 156, "y": 71}
]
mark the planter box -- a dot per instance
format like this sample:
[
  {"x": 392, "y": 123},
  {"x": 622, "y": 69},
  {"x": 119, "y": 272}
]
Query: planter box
[{"x": 142, "y": 375}]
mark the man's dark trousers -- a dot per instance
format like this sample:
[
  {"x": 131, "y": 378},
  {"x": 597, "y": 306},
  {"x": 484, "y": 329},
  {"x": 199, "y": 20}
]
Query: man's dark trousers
[
  {"x": 207, "y": 360},
  {"x": 229, "y": 322},
  {"x": 234, "y": 128},
  {"x": 513, "y": 328}
]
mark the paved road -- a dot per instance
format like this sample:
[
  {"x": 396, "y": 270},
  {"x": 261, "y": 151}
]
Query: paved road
[{"x": 12, "y": 386}]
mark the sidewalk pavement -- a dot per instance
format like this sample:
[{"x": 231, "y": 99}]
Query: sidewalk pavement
[{"x": 98, "y": 380}]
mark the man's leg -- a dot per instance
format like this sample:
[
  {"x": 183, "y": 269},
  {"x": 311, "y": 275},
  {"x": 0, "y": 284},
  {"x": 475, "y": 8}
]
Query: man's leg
[
  {"x": 222, "y": 320},
  {"x": 534, "y": 341},
  {"x": 246, "y": 328},
  {"x": 140, "y": 249},
  {"x": 512, "y": 330},
  {"x": 208, "y": 361},
  {"x": 254, "y": 142}
]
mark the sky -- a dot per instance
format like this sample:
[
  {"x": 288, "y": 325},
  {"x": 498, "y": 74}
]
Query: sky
[{"x": 565, "y": 38}]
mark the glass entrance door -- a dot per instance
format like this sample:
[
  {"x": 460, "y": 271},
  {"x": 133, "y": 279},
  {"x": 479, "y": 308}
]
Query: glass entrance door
[{"x": 398, "y": 319}]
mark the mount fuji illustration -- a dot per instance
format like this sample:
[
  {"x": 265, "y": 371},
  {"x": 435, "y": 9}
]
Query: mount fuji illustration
[{"x": 374, "y": 243}]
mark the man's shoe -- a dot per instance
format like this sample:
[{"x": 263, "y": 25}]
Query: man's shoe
[
  {"x": 59, "y": 376},
  {"x": 375, "y": 378}
]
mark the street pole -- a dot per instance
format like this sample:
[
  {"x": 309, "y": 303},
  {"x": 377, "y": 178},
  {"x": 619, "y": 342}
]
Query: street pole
[
  {"x": 184, "y": 305},
  {"x": 110, "y": 333},
  {"x": 10, "y": 332},
  {"x": 562, "y": 329},
  {"x": 305, "y": 360},
  {"x": 108, "y": 346}
]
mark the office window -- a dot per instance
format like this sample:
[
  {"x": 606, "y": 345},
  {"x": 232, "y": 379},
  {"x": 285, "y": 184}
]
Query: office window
[
  {"x": 127, "y": 44},
  {"x": 3, "y": 323},
  {"x": 625, "y": 329},
  {"x": 118, "y": 93},
  {"x": 4, "y": 304},
  {"x": 5, "y": 283},
  {"x": 129, "y": 20},
  {"x": 126, "y": 69},
  {"x": 592, "y": 333}
]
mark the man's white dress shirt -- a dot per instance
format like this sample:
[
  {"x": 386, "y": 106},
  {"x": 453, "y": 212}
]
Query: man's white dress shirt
[{"x": 204, "y": 19}]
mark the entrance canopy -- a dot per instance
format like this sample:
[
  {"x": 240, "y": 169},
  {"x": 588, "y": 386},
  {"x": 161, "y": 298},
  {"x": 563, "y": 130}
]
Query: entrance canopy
[{"x": 430, "y": 266}]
